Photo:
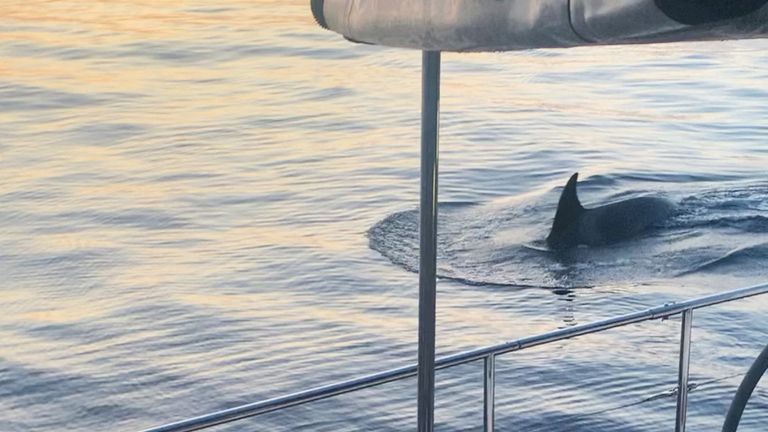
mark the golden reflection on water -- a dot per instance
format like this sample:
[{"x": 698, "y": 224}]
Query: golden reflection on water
[
  {"x": 138, "y": 19},
  {"x": 64, "y": 314},
  {"x": 63, "y": 242}
]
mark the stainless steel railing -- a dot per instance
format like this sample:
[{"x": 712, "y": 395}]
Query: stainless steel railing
[{"x": 488, "y": 355}]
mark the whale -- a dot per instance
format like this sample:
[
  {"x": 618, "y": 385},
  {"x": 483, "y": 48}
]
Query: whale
[{"x": 575, "y": 225}]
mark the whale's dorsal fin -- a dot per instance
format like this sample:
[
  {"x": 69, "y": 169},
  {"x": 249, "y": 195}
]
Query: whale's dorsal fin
[
  {"x": 567, "y": 215},
  {"x": 569, "y": 200}
]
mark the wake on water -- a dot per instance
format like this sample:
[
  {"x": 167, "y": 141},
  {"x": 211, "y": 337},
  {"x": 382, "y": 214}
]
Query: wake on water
[{"x": 721, "y": 230}]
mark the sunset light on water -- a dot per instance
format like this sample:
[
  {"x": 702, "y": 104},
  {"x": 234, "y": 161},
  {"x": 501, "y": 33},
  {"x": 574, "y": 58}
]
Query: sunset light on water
[{"x": 208, "y": 204}]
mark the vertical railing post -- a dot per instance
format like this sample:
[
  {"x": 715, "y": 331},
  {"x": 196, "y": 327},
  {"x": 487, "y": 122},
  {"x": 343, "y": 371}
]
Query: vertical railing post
[
  {"x": 489, "y": 399},
  {"x": 430, "y": 108},
  {"x": 682, "y": 377}
]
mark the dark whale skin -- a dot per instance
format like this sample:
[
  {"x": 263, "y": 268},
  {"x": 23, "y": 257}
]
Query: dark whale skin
[
  {"x": 575, "y": 225},
  {"x": 622, "y": 220}
]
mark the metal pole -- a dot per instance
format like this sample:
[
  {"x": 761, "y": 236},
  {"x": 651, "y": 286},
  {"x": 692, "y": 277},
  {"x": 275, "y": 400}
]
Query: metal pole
[
  {"x": 430, "y": 108},
  {"x": 682, "y": 378},
  {"x": 489, "y": 401}
]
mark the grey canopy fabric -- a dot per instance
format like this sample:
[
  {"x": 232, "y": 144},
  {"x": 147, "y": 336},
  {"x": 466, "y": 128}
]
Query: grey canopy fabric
[{"x": 501, "y": 25}]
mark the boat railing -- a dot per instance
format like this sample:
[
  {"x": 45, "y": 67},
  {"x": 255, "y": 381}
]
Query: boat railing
[{"x": 488, "y": 356}]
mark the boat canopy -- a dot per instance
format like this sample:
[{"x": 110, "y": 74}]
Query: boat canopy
[{"x": 504, "y": 25}]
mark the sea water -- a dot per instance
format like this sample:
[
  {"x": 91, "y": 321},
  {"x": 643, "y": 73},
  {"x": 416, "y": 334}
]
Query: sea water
[{"x": 208, "y": 205}]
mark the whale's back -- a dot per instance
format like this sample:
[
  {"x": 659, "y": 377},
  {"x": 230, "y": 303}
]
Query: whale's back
[{"x": 622, "y": 220}]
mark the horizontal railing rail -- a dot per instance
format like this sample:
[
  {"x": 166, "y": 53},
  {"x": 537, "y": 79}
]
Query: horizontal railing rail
[{"x": 488, "y": 354}]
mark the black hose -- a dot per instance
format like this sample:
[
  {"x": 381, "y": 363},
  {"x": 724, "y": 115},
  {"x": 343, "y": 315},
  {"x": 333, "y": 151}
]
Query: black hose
[{"x": 744, "y": 391}]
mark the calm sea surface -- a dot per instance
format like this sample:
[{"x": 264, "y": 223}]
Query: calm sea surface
[{"x": 204, "y": 205}]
